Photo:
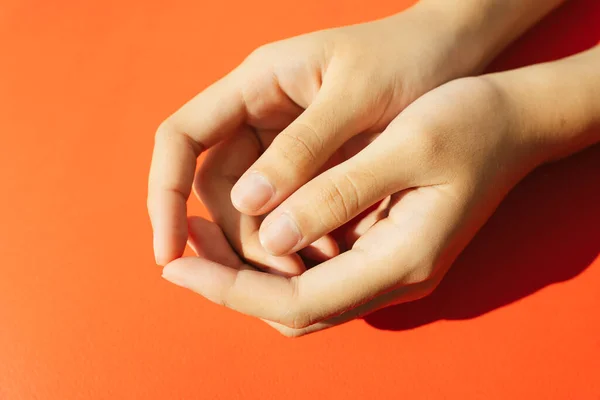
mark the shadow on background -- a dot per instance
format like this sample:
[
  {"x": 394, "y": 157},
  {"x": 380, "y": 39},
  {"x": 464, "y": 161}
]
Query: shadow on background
[
  {"x": 547, "y": 230},
  {"x": 569, "y": 30}
]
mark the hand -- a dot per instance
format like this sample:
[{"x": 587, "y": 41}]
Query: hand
[
  {"x": 442, "y": 166},
  {"x": 308, "y": 95}
]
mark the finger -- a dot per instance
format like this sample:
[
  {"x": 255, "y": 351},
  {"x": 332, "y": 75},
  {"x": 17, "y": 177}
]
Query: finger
[
  {"x": 301, "y": 149},
  {"x": 403, "y": 294},
  {"x": 334, "y": 198},
  {"x": 211, "y": 116},
  {"x": 361, "y": 224},
  {"x": 423, "y": 236},
  {"x": 321, "y": 250},
  {"x": 214, "y": 180},
  {"x": 208, "y": 241}
]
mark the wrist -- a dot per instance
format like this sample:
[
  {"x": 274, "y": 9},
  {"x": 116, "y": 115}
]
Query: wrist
[
  {"x": 445, "y": 40},
  {"x": 483, "y": 28},
  {"x": 554, "y": 105}
]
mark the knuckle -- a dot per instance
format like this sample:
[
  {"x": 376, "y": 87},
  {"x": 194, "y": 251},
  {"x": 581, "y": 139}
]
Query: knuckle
[
  {"x": 227, "y": 298},
  {"x": 425, "y": 142},
  {"x": 429, "y": 144},
  {"x": 426, "y": 146},
  {"x": 423, "y": 274},
  {"x": 295, "y": 318},
  {"x": 341, "y": 198},
  {"x": 295, "y": 315},
  {"x": 168, "y": 131},
  {"x": 202, "y": 181},
  {"x": 481, "y": 88},
  {"x": 300, "y": 148},
  {"x": 347, "y": 45},
  {"x": 300, "y": 320},
  {"x": 164, "y": 130},
  {"x": 261, "y": 53},
  {"x": 310, "y": 137},
  {"x": 291, "y": 333}
]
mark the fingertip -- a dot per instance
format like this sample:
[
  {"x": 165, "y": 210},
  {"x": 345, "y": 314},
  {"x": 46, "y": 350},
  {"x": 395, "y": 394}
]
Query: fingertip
[
  {"x": 207, "y": 240},
  {"x": 167, "y": 249},
  {"x": 155, "y": 251},
  {"x": 251, "y": 193},
  {"x": 287, "y": 266},
  {"x": 176, "y": 273},
  {"x": 322, "y": 249},
  {"x": 162, "y": 260},
  {"x": 280, "y": 236},
  {"x": 170, "y": 273},
  {"x": 159, "y": 251}
]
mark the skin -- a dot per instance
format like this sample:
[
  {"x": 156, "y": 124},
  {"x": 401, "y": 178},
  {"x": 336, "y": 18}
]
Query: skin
[
  {"x": 304, "y": 93},
  {"x": 441, "y": 165},
  {"x": 453, "y": 181}
]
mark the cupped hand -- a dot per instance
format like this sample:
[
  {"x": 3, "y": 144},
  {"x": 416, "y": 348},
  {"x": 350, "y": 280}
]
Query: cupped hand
[
  {"x": 285, "y": 112},
  {"x": 442, "y": 166}
]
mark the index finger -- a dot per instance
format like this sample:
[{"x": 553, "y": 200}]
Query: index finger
[{"x": 211, "y": 116}]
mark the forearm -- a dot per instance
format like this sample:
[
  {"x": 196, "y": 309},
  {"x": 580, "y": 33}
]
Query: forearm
[
  {"x": 556, "y": 104},
  {"x": 486, "y": 27}
]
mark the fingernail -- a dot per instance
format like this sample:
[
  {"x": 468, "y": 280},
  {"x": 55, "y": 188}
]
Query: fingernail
[
  {"x": 252, "y": 192},
  {"x": 280, "y": 236}
]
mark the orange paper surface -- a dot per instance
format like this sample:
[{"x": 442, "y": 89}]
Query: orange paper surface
[{"x": 84, "y": 313}]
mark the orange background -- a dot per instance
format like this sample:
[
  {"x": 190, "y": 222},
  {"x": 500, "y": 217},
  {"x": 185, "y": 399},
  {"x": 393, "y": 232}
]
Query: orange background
[{"x": 84, "y": 313}]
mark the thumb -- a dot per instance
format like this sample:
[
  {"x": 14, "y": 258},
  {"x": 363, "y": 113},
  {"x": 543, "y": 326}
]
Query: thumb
[
  {"x": 298, "y": 152},
  {"x": 332, "y": 199}
]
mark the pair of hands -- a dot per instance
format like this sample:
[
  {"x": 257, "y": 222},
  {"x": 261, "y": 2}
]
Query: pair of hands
[{"x": 361, "y": 128}]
